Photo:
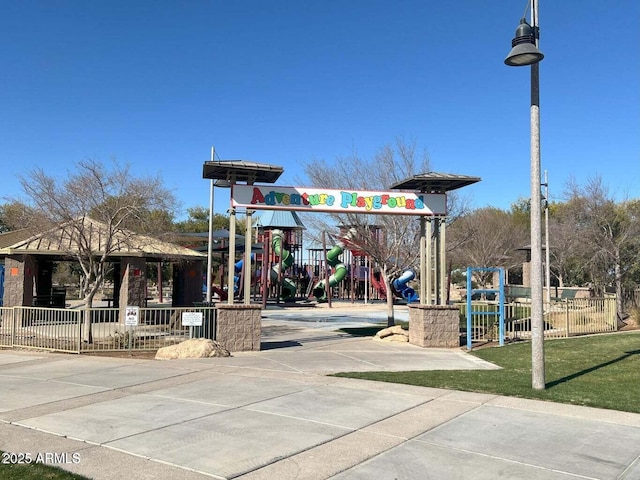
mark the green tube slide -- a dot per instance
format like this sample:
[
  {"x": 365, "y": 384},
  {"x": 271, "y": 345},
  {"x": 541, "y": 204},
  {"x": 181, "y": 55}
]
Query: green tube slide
[
  {"x": 340, "y": 270},
  {"x": 288, "y": 286}
]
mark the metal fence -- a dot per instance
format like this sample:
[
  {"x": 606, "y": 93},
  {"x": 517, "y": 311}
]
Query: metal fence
[
  {"x": 63, "y": 330},
  {"x": 561, "y": 319}
]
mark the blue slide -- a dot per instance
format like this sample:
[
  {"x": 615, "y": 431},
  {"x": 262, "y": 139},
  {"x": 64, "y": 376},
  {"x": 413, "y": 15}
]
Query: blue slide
[
  {"x": 403, "y": 290},
  {"x": 238, "y": 271}
]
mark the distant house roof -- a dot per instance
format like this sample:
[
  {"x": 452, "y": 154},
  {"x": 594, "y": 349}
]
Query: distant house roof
[
  {"x": 280, "y": 219},
  {"x": 62, "y": 241}
]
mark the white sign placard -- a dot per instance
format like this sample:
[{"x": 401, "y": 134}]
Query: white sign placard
[
  {"x": 191, "y": 319},
  {"x": 131, "y": 316}
]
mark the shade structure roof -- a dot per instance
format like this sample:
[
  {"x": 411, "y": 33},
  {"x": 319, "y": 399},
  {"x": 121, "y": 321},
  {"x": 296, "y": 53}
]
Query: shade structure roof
[
  {"x": 204, "y": 236},
  {"x": 234, "y": 171},
  {"x": 63, "y": 241},
  {"x": 239, "y": 248},
  {"x": 433, "y": 182},
  {"x": 279, "y": 219}
]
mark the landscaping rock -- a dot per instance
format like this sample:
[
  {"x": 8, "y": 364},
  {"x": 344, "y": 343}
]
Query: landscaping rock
[
  {"x": 395, "y": 330},
  {"x": 393, "y": 334},
  {"x": 193, "y": 348}
]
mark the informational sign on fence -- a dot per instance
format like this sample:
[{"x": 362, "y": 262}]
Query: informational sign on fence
[
  {"x": 191, "y": 319},
  {"x": 131, "y": 316}
]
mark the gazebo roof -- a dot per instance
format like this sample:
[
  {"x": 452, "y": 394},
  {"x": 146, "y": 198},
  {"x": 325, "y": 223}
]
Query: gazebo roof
[
  {"x": 15, "y": 236},
  {"x": 62, "y": 241}
]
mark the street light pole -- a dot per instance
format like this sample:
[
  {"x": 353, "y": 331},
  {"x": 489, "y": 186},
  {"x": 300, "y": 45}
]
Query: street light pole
[
  {"x": 537, "y": 319},
  {"x": 525, "y": 52}
]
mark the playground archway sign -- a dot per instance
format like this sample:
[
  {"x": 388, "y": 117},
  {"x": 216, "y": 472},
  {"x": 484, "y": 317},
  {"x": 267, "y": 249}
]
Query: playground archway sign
[
  {"x": 269, "y": 197},
  {"x": 422, "y": 195}
]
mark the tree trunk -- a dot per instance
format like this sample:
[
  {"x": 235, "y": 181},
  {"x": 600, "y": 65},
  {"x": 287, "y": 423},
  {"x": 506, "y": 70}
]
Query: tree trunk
[
  {"x": 618, "y": 274},
  {"x": 387, "y": 286},
  {"x": 87, "y": 334}
]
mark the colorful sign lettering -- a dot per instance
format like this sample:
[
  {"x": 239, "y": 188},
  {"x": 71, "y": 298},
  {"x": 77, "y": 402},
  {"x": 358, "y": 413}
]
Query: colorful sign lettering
[{"x": 268, "y": 197}]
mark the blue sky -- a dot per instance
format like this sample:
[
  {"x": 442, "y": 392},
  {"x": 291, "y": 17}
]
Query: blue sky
[{"x": 157, "y": 83}]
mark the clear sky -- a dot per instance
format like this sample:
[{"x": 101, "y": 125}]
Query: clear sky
[{"x": 156, "y": 83}]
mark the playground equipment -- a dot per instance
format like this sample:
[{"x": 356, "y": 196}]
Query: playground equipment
[
  {"x": 402, "y": 289},
  {"x": 286, "y": 259},
  {"x": 238, "y": 273},
  {"x": 340, "y": 270}
]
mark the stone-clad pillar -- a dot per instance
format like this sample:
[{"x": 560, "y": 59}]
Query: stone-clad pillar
[
  {"x": 238, "y": 327},
  {"x": 19, "y": 274},
  {"x": 133, "y": 284},
  {"x": 434, "y": 325}
]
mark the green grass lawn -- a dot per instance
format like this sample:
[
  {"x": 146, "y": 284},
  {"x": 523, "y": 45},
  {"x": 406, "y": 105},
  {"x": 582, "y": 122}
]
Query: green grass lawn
[
  {"x": 600, "y": 371},
  {"x": 34, "y": 471}
]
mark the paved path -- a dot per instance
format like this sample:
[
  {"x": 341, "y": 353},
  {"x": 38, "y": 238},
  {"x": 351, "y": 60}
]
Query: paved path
[{"x": 275, "y": 415}]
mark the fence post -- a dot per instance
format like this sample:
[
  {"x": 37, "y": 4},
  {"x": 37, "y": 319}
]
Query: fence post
[
  {"x": 566, "y": 309},
  {"x": 79, "y": 329},
  {"x": 13, "y": 326}
]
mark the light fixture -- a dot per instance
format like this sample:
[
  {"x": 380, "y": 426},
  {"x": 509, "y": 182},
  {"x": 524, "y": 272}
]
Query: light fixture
[{"x": 524, "y": 50}]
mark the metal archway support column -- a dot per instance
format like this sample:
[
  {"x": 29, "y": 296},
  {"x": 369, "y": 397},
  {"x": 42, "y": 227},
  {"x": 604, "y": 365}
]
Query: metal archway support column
[
  {"x": 423, "y": 260},
  {"x": 247, "y": 260},
  {"x": 433, "y": 270},
  {"x": 429, "y": 267},
  {"x": 232, "y": 251},
  {"x": 442, "y": 299}
]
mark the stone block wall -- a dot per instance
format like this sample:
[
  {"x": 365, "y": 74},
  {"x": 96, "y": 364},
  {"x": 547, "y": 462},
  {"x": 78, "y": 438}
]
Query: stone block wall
[
  {"x": 434, "y": 326},
  {"x": 238, "y": 327},
  {"x": 19, "y": 279}
]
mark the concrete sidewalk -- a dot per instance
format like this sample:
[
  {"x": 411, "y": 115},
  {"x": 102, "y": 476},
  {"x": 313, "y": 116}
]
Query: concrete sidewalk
[{"x": 274, "y": 415}]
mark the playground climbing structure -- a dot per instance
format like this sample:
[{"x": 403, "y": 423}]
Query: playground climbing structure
[
  {"x": 285, "y": 260},
  {"x": 320, "y": 289}
]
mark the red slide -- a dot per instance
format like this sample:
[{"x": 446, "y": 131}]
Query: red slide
[
  {"x": 378, "y": 284},
  {"x": 221, "y": 293}
]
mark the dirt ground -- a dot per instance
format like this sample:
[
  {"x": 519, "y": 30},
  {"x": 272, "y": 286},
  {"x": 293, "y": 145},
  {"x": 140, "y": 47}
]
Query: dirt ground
[{"x": 631, "y": 324}]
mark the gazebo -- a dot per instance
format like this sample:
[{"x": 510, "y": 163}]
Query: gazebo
[{"x": 29, "y": 256}]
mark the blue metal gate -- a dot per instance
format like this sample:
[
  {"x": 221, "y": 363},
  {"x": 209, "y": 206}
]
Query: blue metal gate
[{"x": 471, "y": 312}]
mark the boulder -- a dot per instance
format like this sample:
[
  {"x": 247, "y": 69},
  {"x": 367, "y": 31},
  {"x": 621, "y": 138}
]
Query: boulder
[
  {"x": 395, "y": 330},
  {"x": 193, "y": 348}
]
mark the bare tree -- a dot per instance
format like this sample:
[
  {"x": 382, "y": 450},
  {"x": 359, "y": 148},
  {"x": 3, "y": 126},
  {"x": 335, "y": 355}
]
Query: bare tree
[
  {"x": 609, "y": 232},
  {"x": 488, "y": 237},
  {"x": 398, "y": 249},
  {"x": 95, "y": 201},
  {"x": 565, "y": 246}
]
